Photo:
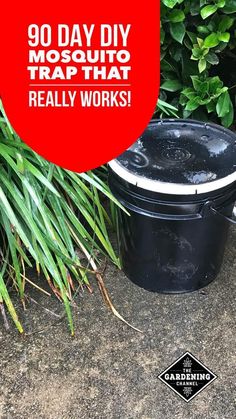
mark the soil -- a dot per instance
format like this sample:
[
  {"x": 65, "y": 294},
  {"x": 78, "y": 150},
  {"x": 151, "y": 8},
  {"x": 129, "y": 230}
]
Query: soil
[{"x": 110, "y": 371}]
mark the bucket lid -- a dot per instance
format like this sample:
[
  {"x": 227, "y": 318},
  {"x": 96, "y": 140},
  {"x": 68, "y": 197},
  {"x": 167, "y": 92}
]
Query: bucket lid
[{"x": 180, "y": 157}]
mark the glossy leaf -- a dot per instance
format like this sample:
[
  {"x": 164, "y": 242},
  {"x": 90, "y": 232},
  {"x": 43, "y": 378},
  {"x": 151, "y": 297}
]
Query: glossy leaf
[
  {"x": 211, "y": 41},
  {"x": 176, "y": 16},
  {"x": 223, "y": 105},
  {"x": 171, "y": 85},
  {"x": 177, "y": 31},
  {"x": 208, "y": 11}
]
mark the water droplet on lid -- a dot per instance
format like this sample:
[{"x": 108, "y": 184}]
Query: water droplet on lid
[
  {"x": 138, "y": 160},
  {"x": 175, "y": 155},
  {"x": 205, "y": 137},
  {"x": 177, "y": 133}
]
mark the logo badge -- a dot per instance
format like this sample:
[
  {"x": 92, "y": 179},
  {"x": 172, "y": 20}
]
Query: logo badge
[{"x": 187, "y": 377}]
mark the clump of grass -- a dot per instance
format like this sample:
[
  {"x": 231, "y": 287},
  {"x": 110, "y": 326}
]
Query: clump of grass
[
  {"x": 165, "y": 110},
  {"x": 49, "y": 218}
]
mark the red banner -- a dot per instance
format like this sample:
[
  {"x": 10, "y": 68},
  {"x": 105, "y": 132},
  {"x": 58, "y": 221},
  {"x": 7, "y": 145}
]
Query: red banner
[{"x": 79, "y": 83}]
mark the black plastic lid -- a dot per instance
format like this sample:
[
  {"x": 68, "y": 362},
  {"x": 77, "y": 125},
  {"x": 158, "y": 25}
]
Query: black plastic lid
[{"x": 180, "y": 157}]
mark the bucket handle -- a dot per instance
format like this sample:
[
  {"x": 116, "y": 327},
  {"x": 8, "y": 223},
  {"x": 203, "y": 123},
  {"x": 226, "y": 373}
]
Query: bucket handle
[{"x": 231, "y": 220}]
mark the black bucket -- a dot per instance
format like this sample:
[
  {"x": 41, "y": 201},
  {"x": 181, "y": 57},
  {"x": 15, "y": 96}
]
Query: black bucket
[{"x": 178, "y": 183}]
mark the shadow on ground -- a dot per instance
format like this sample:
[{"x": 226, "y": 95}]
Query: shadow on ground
[{"x": 110, "y": 371}]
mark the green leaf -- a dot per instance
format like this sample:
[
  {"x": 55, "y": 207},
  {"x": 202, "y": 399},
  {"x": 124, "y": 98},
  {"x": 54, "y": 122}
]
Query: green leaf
[
  {"x": 29, "y": 166},
  {"x": 226, "y": 23},
  {"x": 176, "y": 16},
  {"x": 214, "y": 84},
  {"x": 224, "y": 37},
  {"x": 171, "y": 85},
  {"x": 211, "y": 107},
  {"x": 203, "y": 30},
  {"x": 230, "y": 7},
  {"x": 6, "y": 298},
  {"x": 189, "y": 93},
  {"x": 228, "y": 119},
  {"x": 192, "y": 36},
  {"x": 193, "y": 104},
  {"x": 199, "y": 85},
  {"x": 177, "y": 31},
  {"x": 205, "y": 51},
  {"x": 193, "y": 7},
  {"x": 166, "y": 108},
  {"x": 186, "y": 114},
  {"x": 176, "y": 52},
  {"x": 183, "y": 100},
  {"x": 223, "y": 105},
  {"x": 212, "y": 58},
  {"x": 206, "y": 101},
  {"x": 211, "y": 41},
  {"x": 163, "y": 35},
  {"x": 220, "y": 4},
  {"x": 167, "y": 66},
  {"x": 200, "y": 42},
  {"x": 208, "y": 11},
  {"x": 196, "y": 52},
  {"x": 170, "y": 3},
  {"x": 202, "y": 65}
]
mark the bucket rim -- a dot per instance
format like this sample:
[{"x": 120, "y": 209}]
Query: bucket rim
[
  {"x": 174, "y": 188},
  {"x": 170, "y": 188}
]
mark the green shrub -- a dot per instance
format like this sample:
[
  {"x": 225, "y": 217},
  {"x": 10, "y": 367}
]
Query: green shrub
[
  {"x": 50, "y": 219},
  {"x": 198, "y": 59}
]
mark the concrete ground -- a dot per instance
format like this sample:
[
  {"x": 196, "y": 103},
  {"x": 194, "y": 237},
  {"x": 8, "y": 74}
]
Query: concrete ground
[{"x": 110, "y": 371}]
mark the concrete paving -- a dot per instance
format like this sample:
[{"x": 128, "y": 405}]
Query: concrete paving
[{"x": 110, "y": 371}]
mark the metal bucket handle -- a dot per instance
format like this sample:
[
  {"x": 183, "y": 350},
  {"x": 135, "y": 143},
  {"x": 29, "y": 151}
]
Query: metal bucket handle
[{"x": 231, "y": 220}]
